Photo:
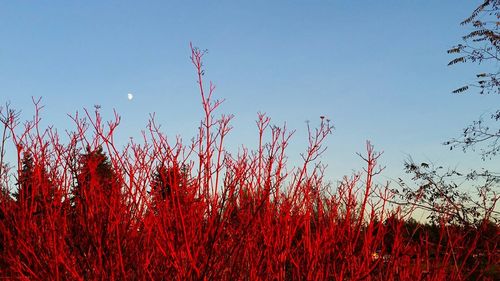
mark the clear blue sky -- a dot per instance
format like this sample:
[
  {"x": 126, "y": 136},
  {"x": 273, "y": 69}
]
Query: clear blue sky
[{"x": 378, "y": 69}]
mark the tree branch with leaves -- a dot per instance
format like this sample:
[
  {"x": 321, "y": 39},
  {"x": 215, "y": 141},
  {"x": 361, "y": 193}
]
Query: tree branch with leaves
[{"x": 481, "y": 46}]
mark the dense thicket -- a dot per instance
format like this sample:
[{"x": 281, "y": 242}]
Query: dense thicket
[{"x": 158, "y": 210}]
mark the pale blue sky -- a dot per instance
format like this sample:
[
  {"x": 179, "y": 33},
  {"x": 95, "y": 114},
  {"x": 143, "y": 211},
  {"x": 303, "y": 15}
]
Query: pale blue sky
[{"x": 378, "y": 69}]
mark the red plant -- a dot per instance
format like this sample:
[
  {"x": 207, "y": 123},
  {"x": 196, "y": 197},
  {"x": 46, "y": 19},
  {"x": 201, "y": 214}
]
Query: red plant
[{"x": 162, "y": 209}]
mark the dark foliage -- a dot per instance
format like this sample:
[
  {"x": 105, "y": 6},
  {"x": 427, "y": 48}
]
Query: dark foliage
[{"x": 482, "y": 46}]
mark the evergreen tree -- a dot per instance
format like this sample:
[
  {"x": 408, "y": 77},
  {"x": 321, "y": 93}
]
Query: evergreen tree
[
  {"x": 97, "y": 214},
  {"x": 35, "y": 191},
  {"x": 168, "y": 184}
]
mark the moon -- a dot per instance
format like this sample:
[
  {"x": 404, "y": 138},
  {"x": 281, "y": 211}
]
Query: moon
[{"x": 130, "y": 96}]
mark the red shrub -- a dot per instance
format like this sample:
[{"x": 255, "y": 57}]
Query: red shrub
[{"x": 86, "y": 210}]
